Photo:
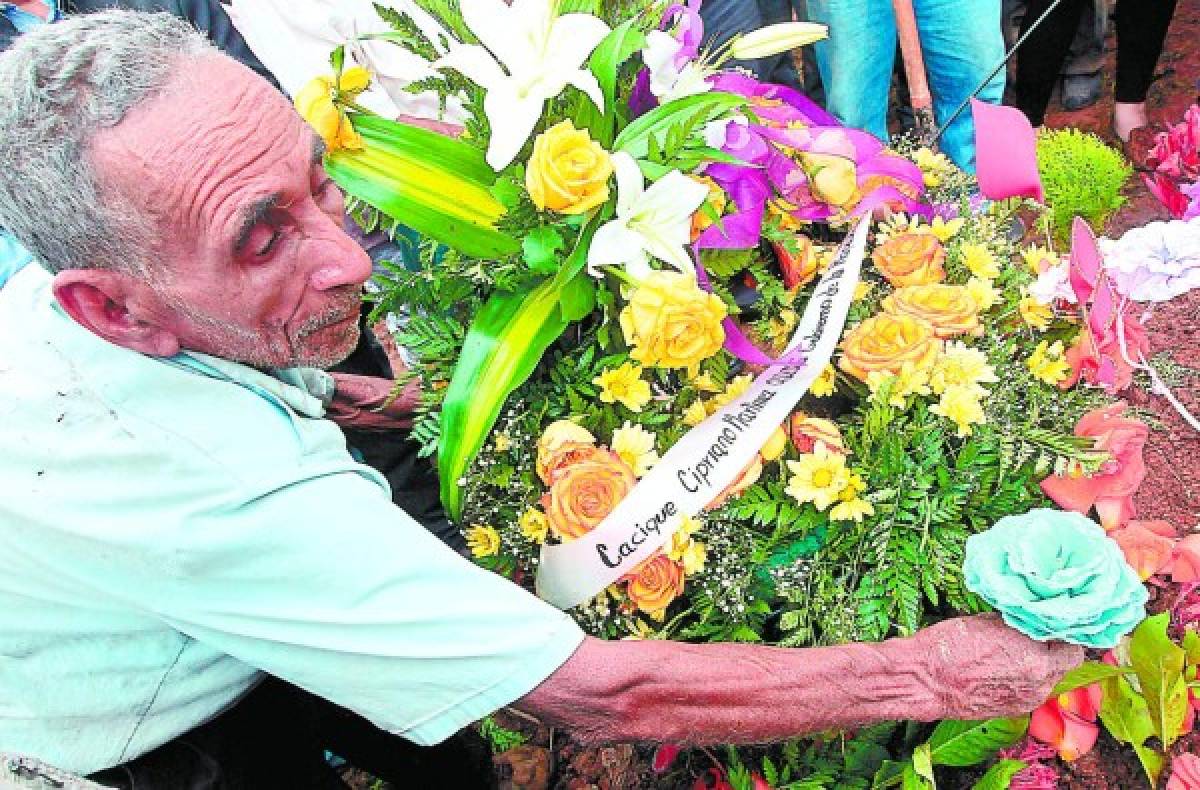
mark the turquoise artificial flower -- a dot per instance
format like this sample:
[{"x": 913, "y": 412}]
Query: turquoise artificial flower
[{"x": 1056, "y": 575}]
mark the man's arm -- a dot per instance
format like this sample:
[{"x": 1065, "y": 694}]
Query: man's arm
[{"x": 969, "y": 668}]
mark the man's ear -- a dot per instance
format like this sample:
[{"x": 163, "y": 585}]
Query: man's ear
[{"x": 117, "y": 307}]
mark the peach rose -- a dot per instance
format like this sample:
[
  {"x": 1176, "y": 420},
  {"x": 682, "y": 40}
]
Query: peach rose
[
  {"x": 746, "y": 478},
  {"x": 583, "y": 493},
  {"x": 1147, "y": 546},
  {"x": 1111, "y": 489},
  {"x": 807, "y": 431},
  {"x": 885, "y": 342},
  {"x": 911, "y": 259},
  {"x": 562, "y": 443},
  {"x": 832, "y": 179},
  {"x": 949, "y": 309},
  {"x": 1185, "y": 566},
  {"x": 654, "y": 584}
]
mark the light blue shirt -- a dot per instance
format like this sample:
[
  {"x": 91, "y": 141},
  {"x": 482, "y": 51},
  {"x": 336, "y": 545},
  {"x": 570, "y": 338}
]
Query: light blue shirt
[
  {"x": 171, "y": 529},
  {"x": 24, "y": 21}
]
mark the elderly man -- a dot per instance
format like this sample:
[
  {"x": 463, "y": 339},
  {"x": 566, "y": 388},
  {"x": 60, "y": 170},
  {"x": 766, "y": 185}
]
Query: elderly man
[{"x": 178, "y": 520}]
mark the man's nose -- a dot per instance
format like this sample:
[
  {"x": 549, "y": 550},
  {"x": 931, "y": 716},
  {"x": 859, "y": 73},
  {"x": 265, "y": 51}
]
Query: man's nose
[{"x": 341, "y": 261}]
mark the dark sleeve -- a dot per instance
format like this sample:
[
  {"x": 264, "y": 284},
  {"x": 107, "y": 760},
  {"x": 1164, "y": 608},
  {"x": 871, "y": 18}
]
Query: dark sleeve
[{"x": 206, "y": 15}]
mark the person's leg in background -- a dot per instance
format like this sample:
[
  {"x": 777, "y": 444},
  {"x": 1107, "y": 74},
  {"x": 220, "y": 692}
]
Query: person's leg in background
[
  {"x": 856, "y": 60},
  {"x": 1083, "y": 78},
  {"x": 1041, "y": 57},
  {"x": 963, "y": 43},
  {"x": 1141, "y": 30}
]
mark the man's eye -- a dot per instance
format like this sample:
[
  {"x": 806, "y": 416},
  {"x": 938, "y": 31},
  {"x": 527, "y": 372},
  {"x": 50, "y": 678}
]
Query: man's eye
[{"x": 270, "y": 245}]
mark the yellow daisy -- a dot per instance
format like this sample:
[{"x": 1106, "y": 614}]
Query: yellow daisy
[
  {"x": 624, "y": 384},
  {"x": 961, "y": 405},
  {"x": 908, "y": 382},
  {"x": 1035, "y": 314},
  {"x": 818, "y": 477},
  {"x": 945, "y": 229},
  {"x": 534, "y": 525},
  {"x": 960, "y": 366},
  {"x": 1047, "y": 362},
  {"x": 980, "y": 261},
  {"x": 1036, "y": 258},
  {"x": 685, "y": 549},
  {"x": 851, "y": 506},
  {"x": 695, "y": 414},
  {"x": 635, "y": 445},
  {"x": 483, "y": 541},
  {"x": 983, "y": 292},
  {"x": 825, "y": 384}
]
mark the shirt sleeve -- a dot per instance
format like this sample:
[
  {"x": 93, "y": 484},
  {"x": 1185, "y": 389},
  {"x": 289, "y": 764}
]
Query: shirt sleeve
[{"x": 324, "y": 583}]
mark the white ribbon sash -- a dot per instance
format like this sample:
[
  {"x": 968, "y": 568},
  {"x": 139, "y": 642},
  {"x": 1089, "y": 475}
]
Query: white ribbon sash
[{"x": 710, "y": 456}]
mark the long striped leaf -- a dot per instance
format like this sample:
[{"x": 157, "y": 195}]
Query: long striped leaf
[
  {"x": 436, "y": 185},
  {"x": 503, "y": 346}
]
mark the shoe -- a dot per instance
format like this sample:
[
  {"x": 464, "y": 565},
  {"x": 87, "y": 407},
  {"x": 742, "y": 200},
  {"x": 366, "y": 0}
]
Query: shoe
[{"x": 1081, "y": 90}]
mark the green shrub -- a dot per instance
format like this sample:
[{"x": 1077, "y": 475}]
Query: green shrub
[{"x": 1083, "y": 177}]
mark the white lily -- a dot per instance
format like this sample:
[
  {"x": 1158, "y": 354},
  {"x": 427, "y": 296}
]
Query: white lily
[
  {"x": 529, "y": 55},
  {"x": 668, "y": 81},
  {"x": 654, "y": 221}
]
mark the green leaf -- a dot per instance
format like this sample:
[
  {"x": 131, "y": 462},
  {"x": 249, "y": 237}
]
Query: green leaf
[
  {"x": 999, "y": 776},
  {"x": 436, "y": 185},
  {"x": 922, "y": 763},
  {"x": 634, "y": 138},
  {"x": 1191, "y": 645},
  {"x": 964, "y": 743},
  {"x": 605, "y": 64},
  {"x": 337, "y": 59},
  {"x": 1127, "y": 718},
  {"x": 578, "y": 297},
  {"x": 1159, "y": 665},
  {"x": 911, "y": 780},
  {"x": 541, "y": 247},
  {"x": 1086, "y": 674}
]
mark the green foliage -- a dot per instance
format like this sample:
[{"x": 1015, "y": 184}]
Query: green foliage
[
  {"x": 1083, "y": 177},
  {"x": 1000, "y": 775},
  {"x": 499, "y": 738}
]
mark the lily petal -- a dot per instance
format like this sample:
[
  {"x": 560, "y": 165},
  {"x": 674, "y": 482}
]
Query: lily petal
[
  {"x": 572, "y": 39},
  {"x": 616, "y": 245},
  {"x": 505, "y": 30},
  {"x": 630, "y": 184},
  {"x": 475, "y": 63},
  {"x": 586, "y": 81},
  {"x": 512, "y": 118}
]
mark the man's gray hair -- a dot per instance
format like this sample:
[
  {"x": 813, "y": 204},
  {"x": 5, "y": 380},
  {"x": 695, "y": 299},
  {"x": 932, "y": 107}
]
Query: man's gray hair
[{"x": 61, "y": 84}]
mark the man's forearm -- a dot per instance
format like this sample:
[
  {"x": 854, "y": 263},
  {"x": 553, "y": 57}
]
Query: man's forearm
[
  {"x": 701, "y": 694},
  {"x": 964, "y": 668}
]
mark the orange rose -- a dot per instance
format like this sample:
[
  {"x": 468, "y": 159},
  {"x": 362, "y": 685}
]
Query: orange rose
[
  {"x": 949, "y": 309},
  {"x": 807, "y": 431},
  {"x": 562, "y": 443},
  {"x": 911, "y": 259},
  {"x": 1147, "y": 546},
  {"x": 746, "y": 478},
  {"x": 583, "y": 493},
  {"x": 885, "y": 343},
  {"x": 654, "y": 584}
]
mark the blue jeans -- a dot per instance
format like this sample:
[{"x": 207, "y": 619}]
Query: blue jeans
[{"x": 962, "y": 41}]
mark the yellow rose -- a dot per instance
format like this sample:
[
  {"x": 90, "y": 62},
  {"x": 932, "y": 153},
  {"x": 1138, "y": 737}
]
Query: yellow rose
[
  {"x": 583, "y": 493},
  {"x": 562, "y": 443},
  {"x": 885, "y": 343},
  {"x": 671, "y": 323},
  {"x": 911, "y": 259},
  {"x": 315, "y": 103},
  {"x": 654, "y": 584},
  {"x": 832, "y": 179},
  {"x": 568, "y": 171},
  {"x": 950, "y": 309}
]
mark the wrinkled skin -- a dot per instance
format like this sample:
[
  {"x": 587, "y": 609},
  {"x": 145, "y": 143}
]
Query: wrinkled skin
[
  {"x": 250, "y": 261},
  {"x": 966, "y": 668}
]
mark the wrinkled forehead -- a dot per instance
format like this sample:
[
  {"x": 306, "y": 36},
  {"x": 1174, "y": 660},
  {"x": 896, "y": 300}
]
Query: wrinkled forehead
[{"x": 217, "y": 127}]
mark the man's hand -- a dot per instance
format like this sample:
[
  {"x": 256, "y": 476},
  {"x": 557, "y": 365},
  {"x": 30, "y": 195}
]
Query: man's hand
[
  {"x": 979, "y": 668},
  {"x": 363, "y": 402}
]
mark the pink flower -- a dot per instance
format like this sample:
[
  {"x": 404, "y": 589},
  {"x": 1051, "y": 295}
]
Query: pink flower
[
  {"x": 1185, "y": 773},
  {"x": 1167, "y": 192},
  {"x": 1111, "y": 489},
  {"x": 1185, "y": 565},
  {"x": 1068, "y": 722},
  {"x": 1147, "y": 546},
  {"x": 1085, "y": 355}
]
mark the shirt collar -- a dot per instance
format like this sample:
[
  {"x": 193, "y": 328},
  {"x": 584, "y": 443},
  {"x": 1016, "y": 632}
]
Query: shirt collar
[{"x": 305, "y": 391}]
